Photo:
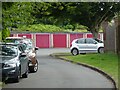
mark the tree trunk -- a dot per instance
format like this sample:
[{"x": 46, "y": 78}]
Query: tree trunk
[
  {"x": 94, "y": 33},
  {"x": 118, "y": 48},
  {"x": 118, "y": 37}
]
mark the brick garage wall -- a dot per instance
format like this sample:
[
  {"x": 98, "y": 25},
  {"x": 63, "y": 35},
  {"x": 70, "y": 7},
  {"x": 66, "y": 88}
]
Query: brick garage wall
[
  {"x": 89, "y": 35},
  {"x": 55, "y": 40},
  {"x": 27, "y": 35}
]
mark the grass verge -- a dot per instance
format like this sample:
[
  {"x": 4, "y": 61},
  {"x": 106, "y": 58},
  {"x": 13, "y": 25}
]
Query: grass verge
[
  {"x": 107, "y": 62},
  {"x": 1, "y": 84}
]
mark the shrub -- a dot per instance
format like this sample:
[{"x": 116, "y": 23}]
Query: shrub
[
  {"x": 40, "y": 28},
  {"x": 0, "y": 36},
  {"x": 5, "y": 33}
]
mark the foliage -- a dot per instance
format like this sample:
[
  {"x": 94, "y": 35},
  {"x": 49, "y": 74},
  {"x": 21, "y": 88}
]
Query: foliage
[
  {"x": 5, "y": 33},
  {"x": 40, "y": 28},
  {"x": 0, "y": 36},
  {"x": 41, "y": 13},
  {"x": 17, "y": 13},
  {"x": 90, "y": 14},
  {"x": 48, "y": 28},
  {"x": 62, "y": 14},
  {"x": 77, "y": 28}
]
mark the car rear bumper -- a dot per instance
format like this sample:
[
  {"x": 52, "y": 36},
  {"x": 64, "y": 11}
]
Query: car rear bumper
[{"x": 32, "y": 61}]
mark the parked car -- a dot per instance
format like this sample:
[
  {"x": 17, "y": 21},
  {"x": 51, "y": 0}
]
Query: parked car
[
  {"x": 13, "y": 62},
  {"x": 15, "y": 39},
  {"x": 29, "y": 48},
  {"x": 87, "y": 45},
  {"x": 31, "y": 51}
]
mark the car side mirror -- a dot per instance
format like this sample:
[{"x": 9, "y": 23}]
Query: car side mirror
[
  {"x": 23, "y": 55},
  {"x": 95, "y": 42},
  {"x": 36, "y": 48}
]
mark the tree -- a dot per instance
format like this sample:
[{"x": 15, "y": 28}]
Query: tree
[
  {"x": 90, "y": 14},
  {"x": 0, "y": 36},
  {"x": 5, "y": 33},
  {"x": 41, "y": 12},
  {"x": 16, "y": 13},
  {"x": 118, "y": 34}
]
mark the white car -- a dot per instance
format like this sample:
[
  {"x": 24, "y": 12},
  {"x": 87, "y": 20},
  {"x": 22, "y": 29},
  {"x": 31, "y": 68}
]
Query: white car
[
  {"x": 16, "y": 40},
  {"x": 87, "y": 45},
  {"x": 29, "y": 48}
]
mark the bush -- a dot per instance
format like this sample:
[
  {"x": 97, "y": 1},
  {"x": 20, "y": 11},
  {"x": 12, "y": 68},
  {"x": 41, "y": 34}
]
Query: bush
[
  {"x": 5, "y": 33},
  {"x": 68, "y": 27},
  {"x": 40, "y": 28},
  {"x": 0, "y": 36},
  {"x": 50, "y": 28}
]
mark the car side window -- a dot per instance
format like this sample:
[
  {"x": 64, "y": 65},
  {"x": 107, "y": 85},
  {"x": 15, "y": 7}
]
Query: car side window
[
  {"x": 80, "y": 41},
  {"x": 30, "y": 45},
  {"x": 89, "y": 41},
  {"x": 21, "y": 48}
]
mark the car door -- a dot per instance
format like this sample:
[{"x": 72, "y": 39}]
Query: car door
[
  {"x": 80, "y": 44},
  {"x": 23, "y": 60},
  {"x": 91, "y": 44}
]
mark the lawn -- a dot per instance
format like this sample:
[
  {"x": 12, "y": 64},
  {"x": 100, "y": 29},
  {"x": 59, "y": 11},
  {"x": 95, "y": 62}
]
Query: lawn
[
  {"x": 107, "y": 62},
  {"x": 1, "y": 84}
]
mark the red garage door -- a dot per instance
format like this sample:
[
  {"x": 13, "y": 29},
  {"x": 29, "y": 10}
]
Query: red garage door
[
  {"x": 42, "y": 40},
  {"x": 75, "y": 36},
  {"x": 59, "y": 40},
  {"x": 89, "y": 36},
  {"x": 27, "y": 35}
]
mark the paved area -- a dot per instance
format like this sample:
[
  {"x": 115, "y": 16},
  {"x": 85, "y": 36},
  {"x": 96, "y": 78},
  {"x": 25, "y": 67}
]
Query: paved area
[{"x": 54, "y": 73}]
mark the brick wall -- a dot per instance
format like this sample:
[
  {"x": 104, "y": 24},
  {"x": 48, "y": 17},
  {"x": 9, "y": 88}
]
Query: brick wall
[{"x": 55, "y": 40}]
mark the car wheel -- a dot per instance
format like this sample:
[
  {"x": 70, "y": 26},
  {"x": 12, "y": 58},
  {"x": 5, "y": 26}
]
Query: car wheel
[
  {"x": 101, "y": 50},
  {"x": 25, "y": 75},
  {"x": 34, "y": 68},
  {"x": 75, "y": 51},
  {"x": 17, "y": 78}
]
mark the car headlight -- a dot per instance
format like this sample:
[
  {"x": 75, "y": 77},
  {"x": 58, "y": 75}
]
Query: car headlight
[{"x": 11, "y": 65}]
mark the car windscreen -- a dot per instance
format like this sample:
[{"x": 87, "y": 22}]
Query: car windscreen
[
  {"x": 98, "y": 40},
  {"x": 8, "y": 50},
  {"x": 29, "y": 44},
  {"x": 13, "y": 40}
]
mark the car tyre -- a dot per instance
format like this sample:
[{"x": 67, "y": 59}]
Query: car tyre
[
  {"x": 17, "y": 78},
  {"x": 34, "y": 68},
  {"x": 101, "y": 50},
  {"x": 75, "y": 52},
  {"x": 25, "y": 75}
]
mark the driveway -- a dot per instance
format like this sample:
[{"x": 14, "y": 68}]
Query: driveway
[{"x": 55, "y": 73}]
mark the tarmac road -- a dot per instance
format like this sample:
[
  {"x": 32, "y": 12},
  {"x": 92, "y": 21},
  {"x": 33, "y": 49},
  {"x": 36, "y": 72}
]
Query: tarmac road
[{"x": 55, "y": 73}]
